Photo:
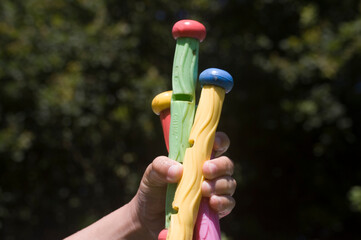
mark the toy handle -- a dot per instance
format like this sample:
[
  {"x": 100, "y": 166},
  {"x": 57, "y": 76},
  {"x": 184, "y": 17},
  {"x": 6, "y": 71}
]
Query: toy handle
[{"x": 207, "y": 225}]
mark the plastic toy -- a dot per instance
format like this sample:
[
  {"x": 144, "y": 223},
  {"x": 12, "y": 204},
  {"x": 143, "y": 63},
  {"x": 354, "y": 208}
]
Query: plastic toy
[{"x": 190, "y": 143}]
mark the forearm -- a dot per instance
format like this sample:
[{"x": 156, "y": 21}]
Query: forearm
[{"x": 123, "y": 223}]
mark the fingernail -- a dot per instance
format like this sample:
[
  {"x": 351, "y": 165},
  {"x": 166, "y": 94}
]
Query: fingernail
[
  {"x": 206, "y": 187},
  {"x": 174, "y": 173}
]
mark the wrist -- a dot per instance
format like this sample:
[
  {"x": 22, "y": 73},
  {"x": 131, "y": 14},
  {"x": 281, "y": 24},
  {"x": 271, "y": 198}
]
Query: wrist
[
  {"x": 132, "y": 228},
  {"x": 123, "y": 223}
]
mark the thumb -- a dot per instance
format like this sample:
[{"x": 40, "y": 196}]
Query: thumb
[{"x": 162, "y": 171}]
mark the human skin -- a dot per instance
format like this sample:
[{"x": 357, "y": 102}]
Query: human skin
[{"x": 143, "y": 216}]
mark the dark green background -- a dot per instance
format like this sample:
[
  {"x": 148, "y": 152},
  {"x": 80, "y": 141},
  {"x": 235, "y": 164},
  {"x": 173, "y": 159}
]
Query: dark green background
[{"x": 76, "y": 128}]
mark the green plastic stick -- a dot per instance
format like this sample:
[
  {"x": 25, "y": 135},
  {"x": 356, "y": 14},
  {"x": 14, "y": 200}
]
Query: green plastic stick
[
  {"x": 182, "y": 107},
  {"x": 185, "y": 69}
]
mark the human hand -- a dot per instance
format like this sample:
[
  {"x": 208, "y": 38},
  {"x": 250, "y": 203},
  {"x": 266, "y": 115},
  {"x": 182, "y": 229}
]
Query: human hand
[{"x": 219, "y": 186}]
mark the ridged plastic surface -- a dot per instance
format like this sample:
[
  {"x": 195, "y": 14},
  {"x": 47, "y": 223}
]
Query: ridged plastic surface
[
  {"x": 188, "y": 194},
  {"x": 184, "y": 78}
]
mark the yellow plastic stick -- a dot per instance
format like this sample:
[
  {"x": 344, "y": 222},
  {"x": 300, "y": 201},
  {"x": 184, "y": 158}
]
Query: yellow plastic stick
[{"x": 188, "y": 194}]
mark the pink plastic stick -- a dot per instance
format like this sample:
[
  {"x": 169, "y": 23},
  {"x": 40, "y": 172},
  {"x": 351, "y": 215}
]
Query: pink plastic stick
[{"x": 207, "y": 225}]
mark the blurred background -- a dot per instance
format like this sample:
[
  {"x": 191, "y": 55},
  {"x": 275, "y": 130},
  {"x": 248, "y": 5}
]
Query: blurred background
[{"x": 77, "y": 131}]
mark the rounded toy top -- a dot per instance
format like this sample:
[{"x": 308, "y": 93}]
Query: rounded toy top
[
  {"x": 189, "y": 28},
  {"x": 161, "y": 102},
  {"x": 215, "y": 76}
]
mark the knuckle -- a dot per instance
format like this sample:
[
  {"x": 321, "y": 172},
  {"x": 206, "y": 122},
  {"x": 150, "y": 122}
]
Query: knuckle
[
  {"x": 228, "y": 205},
  {"x": 159, "y": 161},
  {"x": 233, "y": 203},
  {"x": 231, "y": 185},
  {"x": 229, "y": 165},
  {"x": 234, "y": 183},
  {"x": 159, "y": 165}
]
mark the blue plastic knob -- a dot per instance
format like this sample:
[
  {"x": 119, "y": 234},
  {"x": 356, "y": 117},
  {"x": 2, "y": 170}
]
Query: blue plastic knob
[{"x": 218, "y": 77}]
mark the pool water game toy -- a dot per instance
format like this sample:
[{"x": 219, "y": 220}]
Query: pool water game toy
[{"x": 189, "y": 136}]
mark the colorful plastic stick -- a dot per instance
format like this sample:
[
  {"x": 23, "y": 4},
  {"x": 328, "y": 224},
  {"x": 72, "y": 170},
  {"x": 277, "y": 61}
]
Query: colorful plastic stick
[
  {"x": 161, "y": 107},
  {"x": 216, "y": 83},
  {"x": 188, "y": 34},
  {"x": 207, "y": 225}
]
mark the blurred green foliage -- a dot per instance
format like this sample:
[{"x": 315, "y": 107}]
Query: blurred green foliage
[{"x": 77, "y": 132}]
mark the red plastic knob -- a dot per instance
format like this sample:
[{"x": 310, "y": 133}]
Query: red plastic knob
[
  {"x": 189, "y": 28},
  {"x": 163, "y": 234}
]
